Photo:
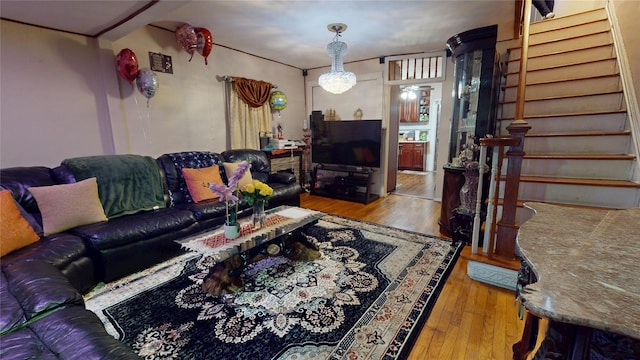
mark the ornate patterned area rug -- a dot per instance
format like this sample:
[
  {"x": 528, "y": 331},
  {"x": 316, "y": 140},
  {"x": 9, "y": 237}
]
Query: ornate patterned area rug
[{"x": 366, "y": 297}]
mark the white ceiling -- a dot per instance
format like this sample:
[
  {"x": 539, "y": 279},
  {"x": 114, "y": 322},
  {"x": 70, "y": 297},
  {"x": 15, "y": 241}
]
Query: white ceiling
[{"x": 292, "y": 32}]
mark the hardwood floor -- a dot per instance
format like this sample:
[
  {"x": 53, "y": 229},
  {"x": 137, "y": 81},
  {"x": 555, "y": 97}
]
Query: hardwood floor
[
  {"x": 416, "y": 184},
  {"x": 470, "y": 320}
]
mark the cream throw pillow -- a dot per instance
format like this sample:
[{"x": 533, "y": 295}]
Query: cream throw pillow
[
  {"x": 69, "y": 205},
  {"x": 229, "y": 168}
]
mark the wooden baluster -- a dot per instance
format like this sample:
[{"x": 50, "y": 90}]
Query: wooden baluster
[
  {"x": 475, "y": 235},
  {"x": 492, "y": 206}
]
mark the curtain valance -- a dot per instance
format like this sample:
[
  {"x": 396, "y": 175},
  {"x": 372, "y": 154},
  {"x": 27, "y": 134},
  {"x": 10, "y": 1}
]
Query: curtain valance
[{"x": 254, "y": 92}]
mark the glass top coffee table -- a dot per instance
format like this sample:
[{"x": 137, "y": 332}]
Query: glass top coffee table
[{"x": 283, "y": 235}]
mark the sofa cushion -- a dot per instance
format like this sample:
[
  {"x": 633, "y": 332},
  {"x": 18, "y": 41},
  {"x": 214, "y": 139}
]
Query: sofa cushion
[
  {"x": 24, "y": 344},
  {"x": 198, "y": 181},
  {"x": 39, "y": 287},
  {"x": 133, "y": 228},
  {"x": 11, "y": 314},
  {"x": 68, "y": 205},
  {"x": 15, "y": 230},
  {"x": 59, "y": 250},
  {"x": 205, "y": 209},
  {"x": 173, "y": 163},
  {"x": 76, "y": 333}
]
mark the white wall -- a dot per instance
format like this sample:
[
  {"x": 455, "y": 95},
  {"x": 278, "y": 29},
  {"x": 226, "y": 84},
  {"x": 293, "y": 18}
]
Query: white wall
[
  {"x": 61, "y": 97},
  {"x": 50, "y": 91}
]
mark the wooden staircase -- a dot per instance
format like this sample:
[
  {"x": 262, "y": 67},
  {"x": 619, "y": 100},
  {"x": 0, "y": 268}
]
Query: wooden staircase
[{"x": 579, "y": 150}]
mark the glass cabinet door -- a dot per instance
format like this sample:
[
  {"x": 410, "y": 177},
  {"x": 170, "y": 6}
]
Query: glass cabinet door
[
  {"x": 474, "y": 95},
  {"x": 468, "y": 66}
]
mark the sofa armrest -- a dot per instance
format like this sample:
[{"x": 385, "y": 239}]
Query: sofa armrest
[{"x": 282, "y": 177}]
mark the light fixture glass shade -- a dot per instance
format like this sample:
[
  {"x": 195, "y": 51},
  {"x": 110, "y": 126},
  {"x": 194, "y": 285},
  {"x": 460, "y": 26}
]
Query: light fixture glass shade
[{"x": 337, "y": 81}]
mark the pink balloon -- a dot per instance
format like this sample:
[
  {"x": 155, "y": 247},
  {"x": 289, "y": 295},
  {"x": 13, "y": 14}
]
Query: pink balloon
[
  {"x": 187, "y": 38},
  {"x": 127, "y": 63}
]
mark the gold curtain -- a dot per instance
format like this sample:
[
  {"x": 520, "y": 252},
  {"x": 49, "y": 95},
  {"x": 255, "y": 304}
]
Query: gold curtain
[
  {"x": 254, "y": 92},
  {"x": 247, "y": 122}
]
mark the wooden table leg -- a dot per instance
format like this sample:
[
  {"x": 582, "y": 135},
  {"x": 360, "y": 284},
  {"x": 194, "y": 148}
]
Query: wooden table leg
[{"x": 523, "y": 348}]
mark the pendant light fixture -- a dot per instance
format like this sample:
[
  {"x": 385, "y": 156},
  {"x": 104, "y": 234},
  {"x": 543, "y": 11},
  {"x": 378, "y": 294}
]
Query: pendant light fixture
[{"x": 337, "y": 81}]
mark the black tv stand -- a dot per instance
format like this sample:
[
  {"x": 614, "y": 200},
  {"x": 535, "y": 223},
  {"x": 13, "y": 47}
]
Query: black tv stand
[{"x": 351, "y": 183}]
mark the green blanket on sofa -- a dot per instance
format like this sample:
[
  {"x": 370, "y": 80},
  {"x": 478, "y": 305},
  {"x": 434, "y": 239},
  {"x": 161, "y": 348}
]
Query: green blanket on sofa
[{"x": 126, "y": 183}]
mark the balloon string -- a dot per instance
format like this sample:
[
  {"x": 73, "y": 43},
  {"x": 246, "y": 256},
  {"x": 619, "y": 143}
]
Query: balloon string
[
  {"x": 148, "y": 125},
  {"x": 141, "y": 120}
]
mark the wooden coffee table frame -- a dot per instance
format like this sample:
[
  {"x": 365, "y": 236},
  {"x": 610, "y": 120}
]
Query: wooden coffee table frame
[
  {"x": 283, "y": 239},
  {"x": 226, "y": 277}
]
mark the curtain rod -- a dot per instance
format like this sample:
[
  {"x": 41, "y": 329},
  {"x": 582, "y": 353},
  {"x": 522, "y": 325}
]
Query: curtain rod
[{"x": 229, "y": 78}]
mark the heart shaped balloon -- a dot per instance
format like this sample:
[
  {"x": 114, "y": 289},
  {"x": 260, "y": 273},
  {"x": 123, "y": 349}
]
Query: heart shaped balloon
[
  {"x": 187, "y": 39},
  {"x": 204, "y": 43},
  {"x": 127, "y": 64}
]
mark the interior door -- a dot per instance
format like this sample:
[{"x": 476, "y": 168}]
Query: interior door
[{"x": 394, "y": 128}]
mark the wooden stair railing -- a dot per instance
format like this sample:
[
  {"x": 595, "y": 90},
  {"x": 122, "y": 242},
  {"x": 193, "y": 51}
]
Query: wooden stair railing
[
  {"x": 505, "y": 231},
  {"x": 507, "y": 228}
]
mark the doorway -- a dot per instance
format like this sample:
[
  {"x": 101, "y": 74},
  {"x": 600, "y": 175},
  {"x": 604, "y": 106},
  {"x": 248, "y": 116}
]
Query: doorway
[{"x": 414, "y": 116}]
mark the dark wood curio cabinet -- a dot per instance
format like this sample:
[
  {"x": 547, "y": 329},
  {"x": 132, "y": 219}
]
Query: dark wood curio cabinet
[{"x": 475, "y": 96}]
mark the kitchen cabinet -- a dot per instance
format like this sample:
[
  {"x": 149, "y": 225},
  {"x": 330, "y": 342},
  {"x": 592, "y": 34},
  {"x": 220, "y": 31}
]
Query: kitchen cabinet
[
  {"x": 414, "y": 106},
  {"x": 411, "y": 156}
]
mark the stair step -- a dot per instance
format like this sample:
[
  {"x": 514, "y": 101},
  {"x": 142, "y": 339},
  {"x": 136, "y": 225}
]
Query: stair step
[
  {"x": 603, "y": 167},
  {"x": 613, "y": 143},
  {"x": 618, "y": 194},
  {"x": 584, "y": 133},
  {"x": 575, "y": 87},
  {"x": 608, "y": 157},
  {"x": 564, "y": 45},
  {"x": 571, "y": 123},
  {"x": 577, "y": 71},
  {"x": 575, "y": 181},
  {"x": 578, "y": 30},
  {"x": 568, "y": 105},
  {"x": 573, "y": 57},
  {"x": 568, "y": 21}
]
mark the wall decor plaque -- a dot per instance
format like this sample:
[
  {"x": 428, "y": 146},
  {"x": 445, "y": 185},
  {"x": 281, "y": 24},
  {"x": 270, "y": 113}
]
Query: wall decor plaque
[{"x": 161, "y": 63}]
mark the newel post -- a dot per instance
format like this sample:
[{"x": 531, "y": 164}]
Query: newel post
[{"x": 507, "y": 226}]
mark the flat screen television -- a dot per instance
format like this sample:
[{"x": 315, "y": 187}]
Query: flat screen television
[{"x": 346, "y": 142}]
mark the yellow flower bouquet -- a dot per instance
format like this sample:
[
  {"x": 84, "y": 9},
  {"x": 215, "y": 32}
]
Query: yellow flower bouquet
[{"x": 257, "y": 191}]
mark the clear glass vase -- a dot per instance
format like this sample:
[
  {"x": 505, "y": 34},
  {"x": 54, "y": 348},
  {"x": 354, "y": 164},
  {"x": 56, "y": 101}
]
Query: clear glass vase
[{"x": 259, "y": 217}]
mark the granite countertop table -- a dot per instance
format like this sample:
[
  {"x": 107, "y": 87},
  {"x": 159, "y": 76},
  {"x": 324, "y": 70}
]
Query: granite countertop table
[{"x": 587, "y": 262}]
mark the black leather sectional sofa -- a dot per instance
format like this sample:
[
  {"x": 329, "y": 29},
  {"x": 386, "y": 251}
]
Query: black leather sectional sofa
[{"x": 42, "y": 313}]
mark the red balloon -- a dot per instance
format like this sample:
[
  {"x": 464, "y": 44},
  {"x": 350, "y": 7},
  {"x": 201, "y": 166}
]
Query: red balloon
[
  {"x": 187, "y": 39},
  {"x": 127, "y": 63},
  {"x": 204, "y": 43}
]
